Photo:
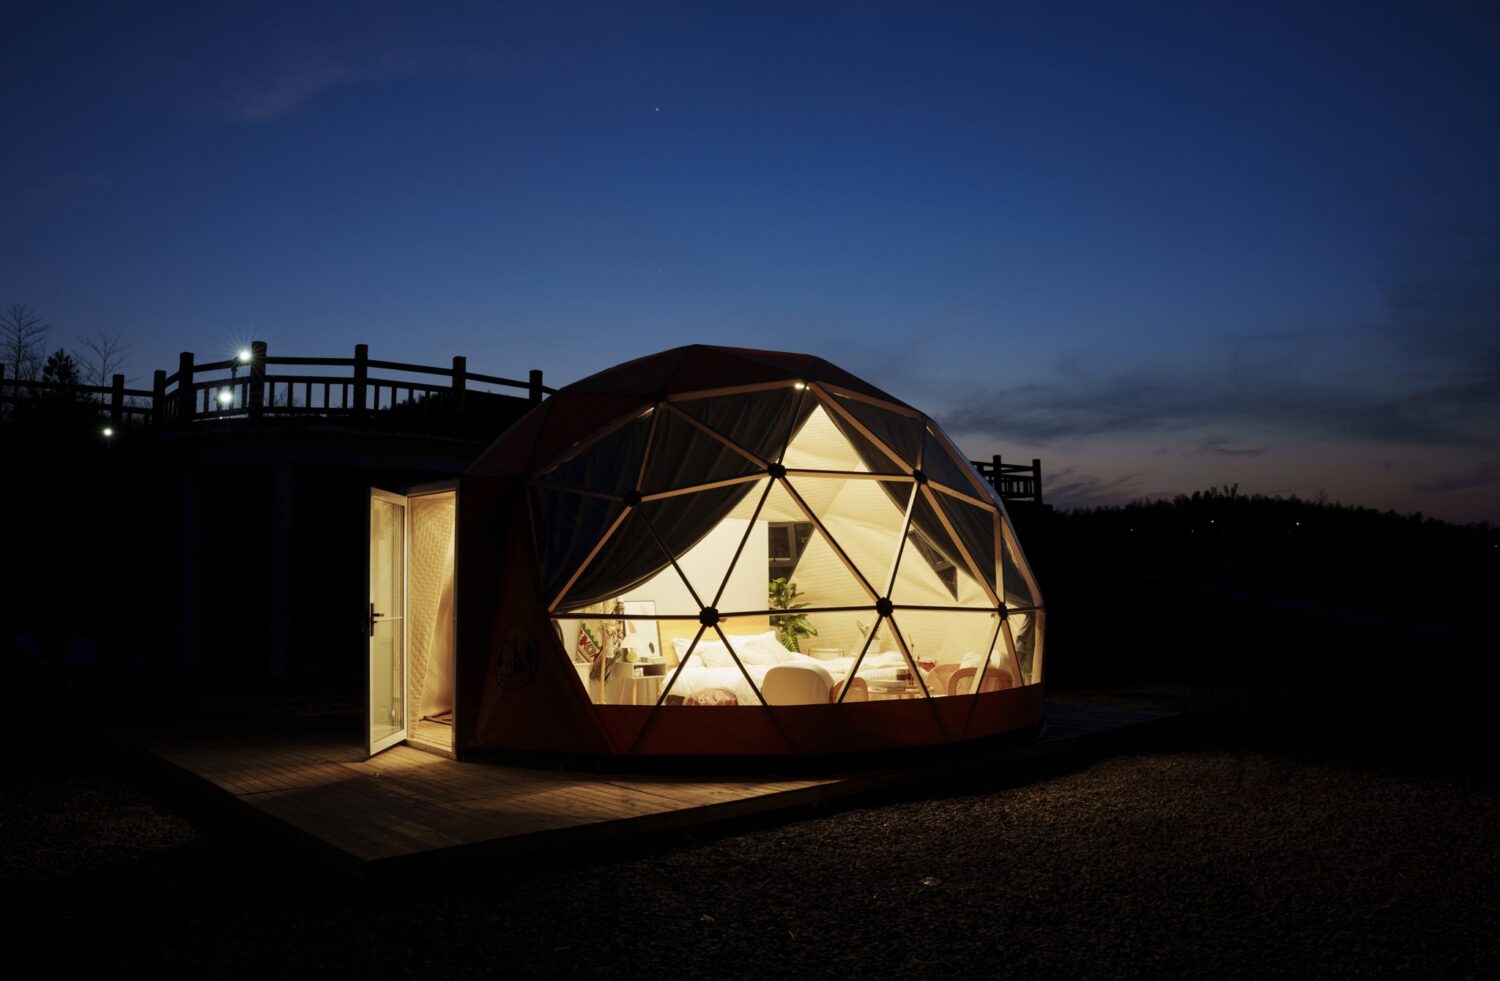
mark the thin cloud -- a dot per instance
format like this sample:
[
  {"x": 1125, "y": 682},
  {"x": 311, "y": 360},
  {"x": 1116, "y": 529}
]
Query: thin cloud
[
  {"x": 1221, "y": 446},
  {"x": 1456, "y": 409},
  {"x": 1070, "y": 487},
  {"x": 1485, "y": 474}
]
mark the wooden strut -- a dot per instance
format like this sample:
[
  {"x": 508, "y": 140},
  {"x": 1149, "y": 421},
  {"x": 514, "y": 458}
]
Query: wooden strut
[
  {"x": 978, "y": 678},
  {"x": 916, "y": 673},
  {"x": 854, "y": 668},
  {"x": 832, "y": 542},
  {"x": 830, "y": 402},
  {"x": 715, "y": 434},
  {"x": 937, "y": 508}
]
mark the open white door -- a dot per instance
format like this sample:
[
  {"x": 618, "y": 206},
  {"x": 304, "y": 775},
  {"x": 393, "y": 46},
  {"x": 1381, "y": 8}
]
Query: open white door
[{"x": 385, "y": 675}]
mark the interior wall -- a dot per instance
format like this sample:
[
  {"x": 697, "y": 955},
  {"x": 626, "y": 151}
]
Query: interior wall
[
  {"x": 705, "y": 563},
  {"x": 429, "y": 604}
]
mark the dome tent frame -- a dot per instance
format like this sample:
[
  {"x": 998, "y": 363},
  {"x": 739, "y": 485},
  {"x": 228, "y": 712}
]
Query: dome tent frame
[{"x": 570, "y": 501}]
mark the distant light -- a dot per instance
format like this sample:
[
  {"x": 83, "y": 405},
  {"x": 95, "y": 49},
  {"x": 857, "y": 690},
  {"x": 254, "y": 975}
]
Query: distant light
[
  {"x": 1297, "y": 523},
  {"x": 244, "y": 355},
  {"x": 1210, "y": 520},
  {"x": 225, "y": 396},
  {"x": 108, "y": 431}
]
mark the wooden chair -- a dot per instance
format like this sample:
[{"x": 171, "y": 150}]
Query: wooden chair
[
  {"x": 785, "y": 684},
  {"x": 995, "y": 679},
  {"x": 859, "y": 691},
  {"x": 939, "y": 677}
]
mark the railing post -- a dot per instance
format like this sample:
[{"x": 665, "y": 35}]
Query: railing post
[
  {"x": 117, "y": 401},
  {"x": 361, "y": 375},
  {"x": 995, "y": 471},
  {"x": 1036, "y": 481},
  {"x": 257, "y": 392},
  {"x": 460, "y": 379},
  {"x": 534, "y": 384},
  {"x": 185, "y": 407},
  {"x": 159, "y": 397}
]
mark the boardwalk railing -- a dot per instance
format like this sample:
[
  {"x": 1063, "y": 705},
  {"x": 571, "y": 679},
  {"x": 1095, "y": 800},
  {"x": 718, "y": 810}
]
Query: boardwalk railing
[
  {"x": 1013, "y": 481},
  {"x": 254, "y": 385}
]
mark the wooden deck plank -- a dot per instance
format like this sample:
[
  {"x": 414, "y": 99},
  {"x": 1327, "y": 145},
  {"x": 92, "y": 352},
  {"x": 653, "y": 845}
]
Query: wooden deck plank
[{"x": 409, "y": 801}]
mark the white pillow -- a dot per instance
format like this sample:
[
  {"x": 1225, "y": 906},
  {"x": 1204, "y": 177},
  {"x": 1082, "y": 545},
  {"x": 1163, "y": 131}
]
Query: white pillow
[
  {"x": 762, "y": 649},
  {"x": 710, "y": 653}
]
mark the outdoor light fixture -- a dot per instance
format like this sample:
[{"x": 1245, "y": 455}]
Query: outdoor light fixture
[
  {"x": 244, "y": 355},
  {"x": 108, "y": 432},
  {"x": 225, "y": 396},
  {"x": 799, "y": 386}
]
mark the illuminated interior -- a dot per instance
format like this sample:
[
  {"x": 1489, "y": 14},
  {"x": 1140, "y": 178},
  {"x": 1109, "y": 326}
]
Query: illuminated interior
[
  {"x": 430, "y": 620},
  {"x": 781, "y": 544}
]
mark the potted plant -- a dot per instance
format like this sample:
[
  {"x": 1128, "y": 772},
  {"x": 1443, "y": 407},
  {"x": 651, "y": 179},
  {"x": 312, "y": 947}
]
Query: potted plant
[{"x": 790, "y": 627}]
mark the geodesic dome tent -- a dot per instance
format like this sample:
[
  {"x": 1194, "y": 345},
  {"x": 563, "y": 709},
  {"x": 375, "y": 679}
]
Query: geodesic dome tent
[{"x": 723, "y": 551}]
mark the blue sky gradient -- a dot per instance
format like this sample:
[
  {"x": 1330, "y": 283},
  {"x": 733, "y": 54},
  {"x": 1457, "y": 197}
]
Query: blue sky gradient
[{"x": 1159, "y": 246}]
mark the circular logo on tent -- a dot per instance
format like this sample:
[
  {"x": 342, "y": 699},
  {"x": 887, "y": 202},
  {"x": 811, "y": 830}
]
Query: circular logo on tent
[{"x": 515, "y": 659}]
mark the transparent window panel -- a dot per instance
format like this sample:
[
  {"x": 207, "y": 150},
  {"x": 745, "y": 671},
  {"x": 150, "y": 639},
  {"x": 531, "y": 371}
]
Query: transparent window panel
[
  {"x": 940, "y": 465},
  {"x": 1026, "y": 635},
  {"x": 387, "y": 671},
  {"x": 609, "y": 464},
  {"x": 1017, "y": 591},
  {"x": 882, "y": 673},
  {"x": 706, "y": 573},
  {"x": 723, "y": 666},
  {"x": 567, "y": 527},
  {"x": 619, "y": 657},
  {"x": 932, "y": 571},
  {"x": 629, "y": 557},
  {"x": 899, "y": 433},
  {"x": 865, "y": 517},
  {"x": 760, "y": 422},
  {"x": 978, "y": 530},
  {"x": 683, "y": 455},
  {"x": 946, "y": 644},
  {"x": 825, "y": 441},
  {"x": 387, "y": 691},
  {"x": 822, "y": 574}
]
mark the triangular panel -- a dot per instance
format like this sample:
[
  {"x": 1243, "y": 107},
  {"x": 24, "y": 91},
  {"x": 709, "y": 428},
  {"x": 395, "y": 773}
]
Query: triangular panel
[
  {"x": 978, "y": 531},
  {"x": 932, "y": 570},
  {"x": 902, "y": 434},
  {"x": 1017, "y": 590},
  {"x": 611, "y": 464},
  {"x": 567, "y": 526},
  {"x": 760, "y": 422},
  {"x": 684, "y": 455},
  {"x": 827, "y": 441},
  {"x": 940, "y": 466},
  {"x": 864, "y": 516},
  {"x": 945, "y": 643}
]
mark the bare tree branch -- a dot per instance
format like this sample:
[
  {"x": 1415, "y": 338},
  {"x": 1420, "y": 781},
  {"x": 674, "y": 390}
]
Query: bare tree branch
[
  {"x": 103, "y": 356},
  {"x": 23, "y": 337}
]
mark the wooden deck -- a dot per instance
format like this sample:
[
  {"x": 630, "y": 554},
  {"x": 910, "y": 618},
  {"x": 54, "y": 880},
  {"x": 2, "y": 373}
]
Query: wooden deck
[{"x": 405, "y": 802}]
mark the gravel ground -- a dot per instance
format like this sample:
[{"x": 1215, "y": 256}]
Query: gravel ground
[{"x": 1258, "y": 839}]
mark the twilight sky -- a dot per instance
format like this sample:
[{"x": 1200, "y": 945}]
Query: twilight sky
[{"x": 1161, "y": 247}]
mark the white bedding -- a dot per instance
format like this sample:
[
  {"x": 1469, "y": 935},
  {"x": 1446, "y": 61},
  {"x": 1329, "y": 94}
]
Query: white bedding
[
  {"x": 696, "y": 678},
  {"x": 711, "y": 666}
]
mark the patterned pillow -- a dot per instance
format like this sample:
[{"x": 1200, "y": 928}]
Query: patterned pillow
[{"x": 712, "y": 696}]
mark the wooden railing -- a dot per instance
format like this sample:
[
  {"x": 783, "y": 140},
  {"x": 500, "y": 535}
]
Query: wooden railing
[
  {"x": 122, "y": 404},
  {"x": 1013, "y": 481},
  {"x": 255, "y": 385}
]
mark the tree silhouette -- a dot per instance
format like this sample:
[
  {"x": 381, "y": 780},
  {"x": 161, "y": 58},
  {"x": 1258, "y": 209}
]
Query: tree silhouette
[
  {"x": 103, "y": 356},
  {"x": 22, "y": 334}
]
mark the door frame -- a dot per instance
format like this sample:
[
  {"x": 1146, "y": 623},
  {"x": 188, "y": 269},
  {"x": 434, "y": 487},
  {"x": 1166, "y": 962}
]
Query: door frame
[{"x": 430, "y": 489}]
